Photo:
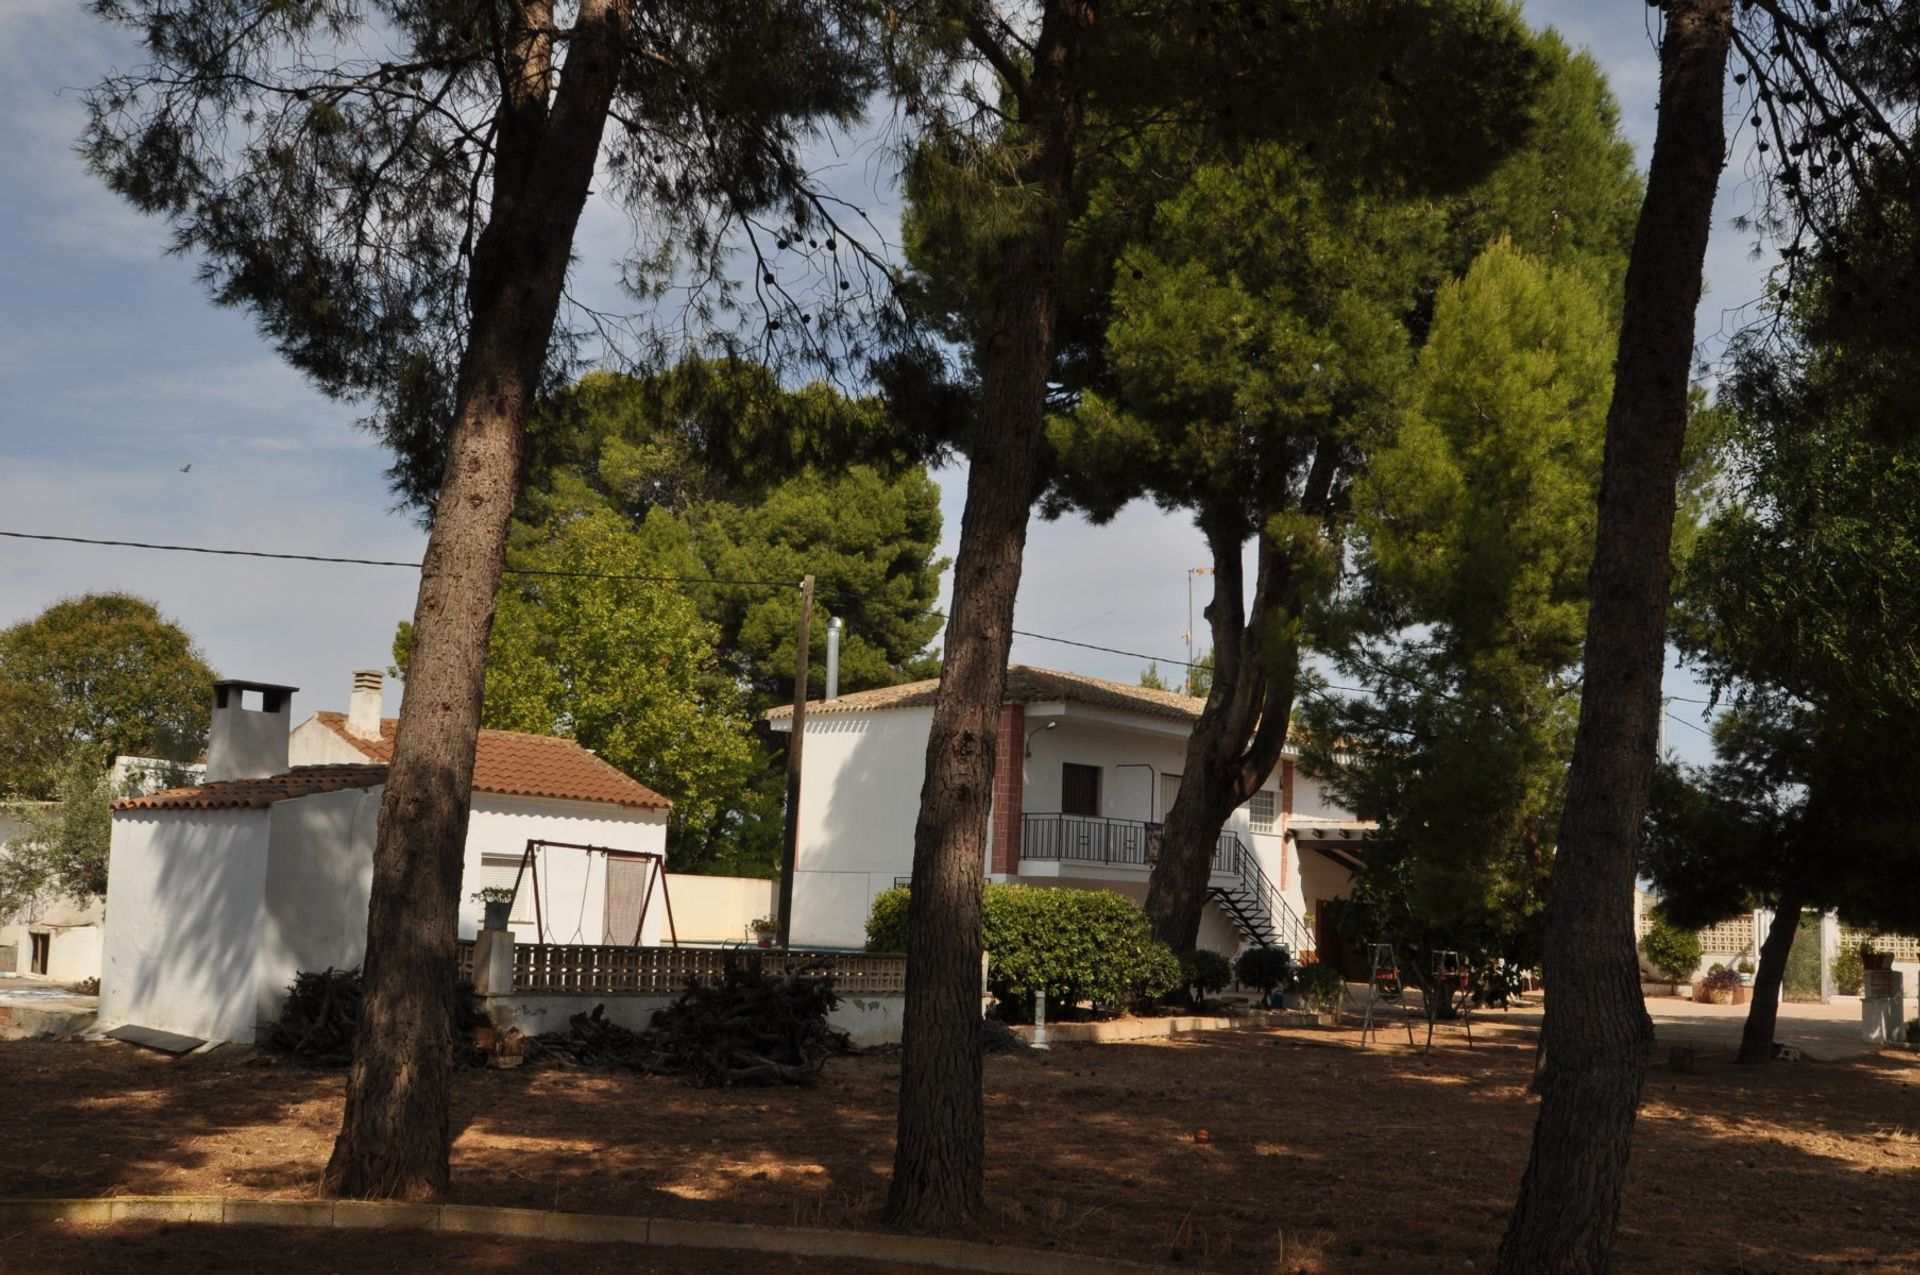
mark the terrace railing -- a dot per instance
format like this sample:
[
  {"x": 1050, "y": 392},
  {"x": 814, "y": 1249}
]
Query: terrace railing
[{"x": 591, "y": 969}]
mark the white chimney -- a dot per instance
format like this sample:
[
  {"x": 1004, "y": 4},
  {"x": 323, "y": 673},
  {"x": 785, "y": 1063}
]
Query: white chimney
[
  {"x": 833, "y": 657},
  {"x": 249, "y": 742},
  {"x": 363, "y": 707}
]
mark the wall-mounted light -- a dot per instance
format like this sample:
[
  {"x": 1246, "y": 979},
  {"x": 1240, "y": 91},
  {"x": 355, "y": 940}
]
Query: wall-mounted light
[{"x": 1036, "y": 731}]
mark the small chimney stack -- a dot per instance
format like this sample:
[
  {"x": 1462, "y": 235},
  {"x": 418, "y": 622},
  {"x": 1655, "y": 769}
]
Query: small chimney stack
[
  {"x": 833, "y": 657},
  {"x": 249, "y": 743},
  {"x": 363, "y": 707}
]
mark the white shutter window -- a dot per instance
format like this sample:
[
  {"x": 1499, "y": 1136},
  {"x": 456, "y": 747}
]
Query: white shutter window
[
  {"x": 1260, "y": 810},
  {"x": 500, "y": 870}
]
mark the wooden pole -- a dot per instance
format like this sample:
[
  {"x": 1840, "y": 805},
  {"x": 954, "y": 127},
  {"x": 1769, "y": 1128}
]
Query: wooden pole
[{"x": 790, "y": 853}]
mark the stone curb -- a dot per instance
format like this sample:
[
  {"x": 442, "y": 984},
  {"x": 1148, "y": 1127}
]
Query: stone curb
[
  {"x": 878, "y": 1246},
  {"x": 1127, "y": 1030}
]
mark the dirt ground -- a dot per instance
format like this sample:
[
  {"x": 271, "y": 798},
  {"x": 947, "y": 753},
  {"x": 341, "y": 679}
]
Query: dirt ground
[{"x": 1318, "y": 1156}]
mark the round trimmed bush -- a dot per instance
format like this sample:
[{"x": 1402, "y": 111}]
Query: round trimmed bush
[
  {"x": 1204, "y": 972},
  {"x": 1264, "y": 967},
  {"x": 1671, "y": 950}
]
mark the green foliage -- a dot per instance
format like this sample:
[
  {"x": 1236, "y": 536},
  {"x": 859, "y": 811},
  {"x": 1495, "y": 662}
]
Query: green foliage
[
  {"x": 1203, "y": 972},
  {"x": 62, "y": 854},
  {"x": 332, "y": 165},
  {"x": 1849, "y": 972},
  {"x": 1467, "y": 613},
  {"x": 627, "y": 668},
  {"x": 1076, "y": 945},
  {"x": 1675, "y": 952},
  {"x": 887, "y": 920},
  {"x": 104, "y": 674},
  {"x": 1322, "y": 985},
  {"x": 1801, "y": 981},
  {"x": 724, "y": 474},
  {"x": 1263, "y": 967}
]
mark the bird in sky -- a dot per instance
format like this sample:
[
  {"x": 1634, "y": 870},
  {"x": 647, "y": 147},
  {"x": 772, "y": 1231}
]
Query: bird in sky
[{"x": 184, "y": 468}]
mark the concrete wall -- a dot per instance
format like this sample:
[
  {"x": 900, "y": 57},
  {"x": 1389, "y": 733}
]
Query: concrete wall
[
  {"x": 313, "y": 744},
  {"x": 319, "y": 878},
  {"x": 859, "y": 798},
  {"x": 185, "y": 913},
  {"x": 868, "y": 1020},
  {"x": 573, "y": 883},
  {"x": 718, "y": 909}
]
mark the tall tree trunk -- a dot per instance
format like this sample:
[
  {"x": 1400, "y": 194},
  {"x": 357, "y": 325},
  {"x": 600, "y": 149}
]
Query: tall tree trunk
[
  {"x": 1597, "y": 1034},
  {"x": 940, "y": 1139},
  {"x": 1242, "y": 728},
  {"x": 394, "y": 1140},
  {"x": 1228, "y": 754},
  {"x": 1756, "y": 1038}
]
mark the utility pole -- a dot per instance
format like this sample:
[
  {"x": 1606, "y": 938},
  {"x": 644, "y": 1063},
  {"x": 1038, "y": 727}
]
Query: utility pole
[
  {"x": 790, "y": 853},
  {"x": 1191, "y": 573}
]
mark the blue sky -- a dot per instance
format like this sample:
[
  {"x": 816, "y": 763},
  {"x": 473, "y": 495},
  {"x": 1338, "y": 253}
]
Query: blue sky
[{"x": 115, "y": 371}]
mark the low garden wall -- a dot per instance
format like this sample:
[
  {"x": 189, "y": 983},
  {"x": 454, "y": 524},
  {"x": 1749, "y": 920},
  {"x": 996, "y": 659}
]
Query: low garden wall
[{"x": 534, "y": 988}]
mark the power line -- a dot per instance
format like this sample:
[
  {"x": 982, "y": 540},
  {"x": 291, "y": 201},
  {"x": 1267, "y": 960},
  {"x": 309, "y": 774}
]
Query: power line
[{"x": 387, "y": 562}]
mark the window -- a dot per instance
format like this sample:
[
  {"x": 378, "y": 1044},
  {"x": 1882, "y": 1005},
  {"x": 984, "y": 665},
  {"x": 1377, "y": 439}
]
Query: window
[
  {"x": 1260, "y": 810},
  {"x": 501, "y": 870},
  {"x": 1079, "y": 790}
]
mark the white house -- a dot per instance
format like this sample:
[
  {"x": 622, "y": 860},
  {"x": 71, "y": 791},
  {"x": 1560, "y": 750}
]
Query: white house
[
  {"x": 218, "y": 894},
  {"x": 1086, "y": 770},
  {"x": 60, "y": 938}
]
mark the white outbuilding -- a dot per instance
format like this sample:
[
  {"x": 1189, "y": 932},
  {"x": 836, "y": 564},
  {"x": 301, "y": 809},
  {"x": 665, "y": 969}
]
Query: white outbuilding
[{"x": 219, "y": 894}]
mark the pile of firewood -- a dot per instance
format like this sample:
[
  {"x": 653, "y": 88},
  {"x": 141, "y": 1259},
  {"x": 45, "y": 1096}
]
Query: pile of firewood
[
  {"x": 317, "y": 1022},
  {"x": 752, "y": 1028},
  {"x": 322, "y": 1010}
]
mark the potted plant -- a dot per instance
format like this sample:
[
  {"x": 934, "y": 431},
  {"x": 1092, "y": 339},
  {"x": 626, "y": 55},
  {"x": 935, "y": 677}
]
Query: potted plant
[
  {"x": 1720, "y": 985},
  {"x": 763, "y": 928},
  {"x": 1872, "y": 960},
  {"x": 1745, "y": 968},
  {"x": 497, "y": 901},
  {"x": 1325, "y": 991}
]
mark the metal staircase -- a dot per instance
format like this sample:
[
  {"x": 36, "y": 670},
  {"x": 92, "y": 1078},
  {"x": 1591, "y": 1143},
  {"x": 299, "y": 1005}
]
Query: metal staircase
[{"x": 1258, "y": 911}]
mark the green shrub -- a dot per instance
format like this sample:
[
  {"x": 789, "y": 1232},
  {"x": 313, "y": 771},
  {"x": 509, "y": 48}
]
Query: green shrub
[
  {"x": 1264, "y": 967},
  {"x": 887, "y": 923},
  {"x": 1076, "y": 945},
  {"x": 1849, "y": 972},
  {"x": 1204, "y": 972},
  {"x": 1671, "y": 950},
  {"x": 1322, "y": 985}
]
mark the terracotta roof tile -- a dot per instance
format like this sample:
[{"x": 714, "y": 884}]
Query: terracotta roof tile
[
  {"x": 1025, "y": 685},
  {"x": 258, "y": 794},
  {"x": 517, "y": 764}
]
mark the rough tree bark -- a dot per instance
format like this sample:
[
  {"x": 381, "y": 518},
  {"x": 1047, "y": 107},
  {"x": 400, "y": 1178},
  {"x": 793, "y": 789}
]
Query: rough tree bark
[
  {"x": 1596, "y": 1034},
  {"x": 940, "y": 1142},
  {"x": 1242, "y": 728},
  {"x": 394, "y": 1139},
  {"x": 1756, "y": 1038}
]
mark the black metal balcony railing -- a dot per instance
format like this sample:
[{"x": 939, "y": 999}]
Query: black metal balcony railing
[
  {"x": 1251, "y": 900},
  {"x": 1111, "y": 843}
]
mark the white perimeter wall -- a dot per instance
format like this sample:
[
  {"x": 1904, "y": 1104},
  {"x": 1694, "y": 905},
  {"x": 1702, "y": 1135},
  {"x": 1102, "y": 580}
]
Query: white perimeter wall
[
  {"x": 185, "y": 911},
  {"x": 573, "y": 883},
  {"x": 718, "y": 909}
]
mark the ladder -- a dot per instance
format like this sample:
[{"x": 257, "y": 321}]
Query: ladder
[{"x": 1383, "y": 984}]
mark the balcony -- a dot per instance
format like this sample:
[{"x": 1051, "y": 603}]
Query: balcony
[{"x": 1104, "y": 843}]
